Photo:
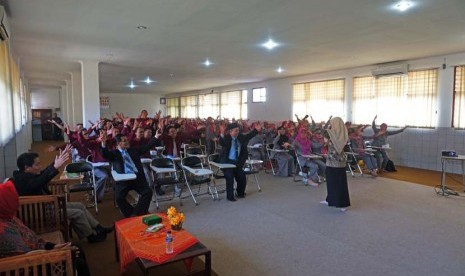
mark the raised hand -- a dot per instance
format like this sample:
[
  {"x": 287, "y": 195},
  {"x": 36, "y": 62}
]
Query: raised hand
[
  {"x": 62, "y": 157},
  {"x": 258, "y": 126},
  {"x": 158, "y": 133}
]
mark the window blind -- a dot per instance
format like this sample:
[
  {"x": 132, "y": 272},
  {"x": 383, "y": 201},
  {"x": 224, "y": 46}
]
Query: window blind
[
  {"x": 459, "y": 98},
  {"x": 6, "y": 111}
]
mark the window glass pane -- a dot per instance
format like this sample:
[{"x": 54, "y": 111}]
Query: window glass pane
[
  {"x": 259, "y": 95},
  {"x": 172, "y": 107}
]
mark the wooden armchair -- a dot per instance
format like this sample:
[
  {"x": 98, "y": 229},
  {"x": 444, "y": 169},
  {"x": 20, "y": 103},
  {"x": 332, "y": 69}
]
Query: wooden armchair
[
  {"x": 59, "y": 187},
  {"x": 45, "y": 215},
  {"x": 42, "y": 262}
]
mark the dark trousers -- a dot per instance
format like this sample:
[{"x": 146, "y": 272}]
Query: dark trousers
[
  {"x": 145, "y": 196},
  {"x": 241, "y": 179}
]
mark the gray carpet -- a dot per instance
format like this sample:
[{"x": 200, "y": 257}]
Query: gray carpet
[{"x": 392, "y": 228}]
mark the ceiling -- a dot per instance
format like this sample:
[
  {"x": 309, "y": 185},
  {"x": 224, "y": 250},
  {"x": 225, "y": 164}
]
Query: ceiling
[{"x": 51, "y": 36}]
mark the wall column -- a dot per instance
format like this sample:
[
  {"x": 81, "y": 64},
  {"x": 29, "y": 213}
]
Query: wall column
[
  {"x": 445, "y": 96},
  {"x": 90, "y": 91}
]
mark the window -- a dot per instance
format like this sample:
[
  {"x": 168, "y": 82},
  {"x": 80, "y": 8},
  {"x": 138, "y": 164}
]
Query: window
[
  {"x": 209, "y": 105},
  {"x": 6, "y": 112},
  {"x": 234, "y": 104},
  {"x": 259, "y": 95},
  {"x": 459, "y": 98},
  {"x": 398, "y": 100},
  {"x": 189, "y": 107},
  {"x": 172, "y": 107},
  {"x": 320, "y": 99}
]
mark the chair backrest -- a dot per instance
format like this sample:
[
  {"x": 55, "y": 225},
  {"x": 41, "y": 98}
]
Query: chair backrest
[
  {"x": 79, "y": 167},
  {"x": 48, "y": 262},
  {"x": 44, "y": 214},
  {"x": 192, "y": 161},
  {"x": 214, "y": 157},
  {"x": 163, "y": 163},
  {"x": 194, "y": 150}
]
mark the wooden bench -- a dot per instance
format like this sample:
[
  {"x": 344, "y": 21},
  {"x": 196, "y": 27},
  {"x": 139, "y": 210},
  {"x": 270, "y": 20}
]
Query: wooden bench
[
  {"x": 46, "y": 216},
  {"x": 40, "y": 262}
]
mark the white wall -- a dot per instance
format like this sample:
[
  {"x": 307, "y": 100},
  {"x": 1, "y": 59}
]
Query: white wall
[
  {"x": 132, "y": 104},
  {"x": 45, "y": 98}
]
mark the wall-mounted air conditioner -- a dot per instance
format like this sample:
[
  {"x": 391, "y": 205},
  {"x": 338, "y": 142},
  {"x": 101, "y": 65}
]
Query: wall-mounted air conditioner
[
  {"x": 4, "y": 25},
  {"x": 385, "y": 70}
]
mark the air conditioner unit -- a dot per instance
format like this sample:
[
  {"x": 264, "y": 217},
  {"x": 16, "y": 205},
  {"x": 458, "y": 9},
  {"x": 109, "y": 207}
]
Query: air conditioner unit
[
  {"x": 385, "y": 70},
  {"x": 4, "y": 25}
]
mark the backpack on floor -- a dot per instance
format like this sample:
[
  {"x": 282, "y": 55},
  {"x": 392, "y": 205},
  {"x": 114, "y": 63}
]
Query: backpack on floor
[{"x": 390, "y": 166}]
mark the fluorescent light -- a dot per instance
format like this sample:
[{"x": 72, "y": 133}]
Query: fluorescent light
[
  {"x": 403, "y": 5},
  {"x": 270, "y": 44},
  {"x": 279, "y": 70},
  {"x": 142, "y": 27},
  {"x": 148, "y": 80},
  {"x": 207, "y": 62}
]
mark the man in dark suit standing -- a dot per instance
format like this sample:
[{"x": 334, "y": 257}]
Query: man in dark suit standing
[
  {"x": 234, "y": 151},
  {"x": 127, "y": 160}
]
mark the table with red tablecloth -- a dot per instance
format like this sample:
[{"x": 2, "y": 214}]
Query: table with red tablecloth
[{"x": 132, "y": 241}]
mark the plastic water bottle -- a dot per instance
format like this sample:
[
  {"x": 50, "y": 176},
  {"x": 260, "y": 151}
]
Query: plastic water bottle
[{"x": 169, "y": 242}]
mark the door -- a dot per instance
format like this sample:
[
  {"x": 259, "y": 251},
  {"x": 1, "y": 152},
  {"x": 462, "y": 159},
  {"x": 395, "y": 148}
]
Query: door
[{"x": 42, "y": 115}]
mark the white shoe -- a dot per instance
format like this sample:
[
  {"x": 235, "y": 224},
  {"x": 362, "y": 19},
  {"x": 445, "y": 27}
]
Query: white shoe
[
  {"x": 305, "y": 180},
  {"x": 343, "y": 209},
  {"x": 324, "y": 202}
]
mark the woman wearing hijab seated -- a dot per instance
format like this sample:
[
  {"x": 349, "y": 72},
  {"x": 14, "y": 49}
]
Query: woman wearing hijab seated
[
  {"x": 16, "y": 238},
  {"x": 336, "y": 177},
  {"x": 303, "y": 146}
]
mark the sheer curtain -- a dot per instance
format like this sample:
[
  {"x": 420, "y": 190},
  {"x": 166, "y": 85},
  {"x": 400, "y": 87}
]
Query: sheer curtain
[
  {"x": 459, "y": 97},
  {"x": 209, "y": 105},
  {"x": 189, "y": 106},
  {"x": 15, "y": 86},
  {"x": 172, "y": 107},
  {"x": 397, "y": 100},
  {"x": 233, "y": 105},
  {"x": 320, "y": 99},
  {"x": 6, "y": 111}
]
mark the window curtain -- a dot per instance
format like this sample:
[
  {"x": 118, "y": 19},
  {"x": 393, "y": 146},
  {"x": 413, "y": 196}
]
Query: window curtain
[
  {"x": 459, "y": 98},
  {"x": 6, "y": 110}
]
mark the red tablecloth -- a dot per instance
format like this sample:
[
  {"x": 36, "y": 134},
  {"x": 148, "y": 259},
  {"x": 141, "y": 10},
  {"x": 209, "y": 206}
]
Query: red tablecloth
[{"x": 134, "y": 242}]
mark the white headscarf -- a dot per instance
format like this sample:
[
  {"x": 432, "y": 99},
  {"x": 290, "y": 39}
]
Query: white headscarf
[{"x": 338, "y": 134}]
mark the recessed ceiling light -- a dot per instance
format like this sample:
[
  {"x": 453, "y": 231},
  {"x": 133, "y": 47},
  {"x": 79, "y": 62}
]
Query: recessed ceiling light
[
  {"x": 207, "y": 62},
  {"x": 142, "y": 27},
  {"x": 279, "y": 70},
  {"x": 132, "y": 85},
  {"x": 270, "y": 44},
  {"x": 148, "y": 80},
  {"x": 403, "y": 5}
]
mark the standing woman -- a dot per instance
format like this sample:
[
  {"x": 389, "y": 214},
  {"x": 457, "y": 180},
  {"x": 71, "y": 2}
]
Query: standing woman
[{"x": 336, "y": 177}]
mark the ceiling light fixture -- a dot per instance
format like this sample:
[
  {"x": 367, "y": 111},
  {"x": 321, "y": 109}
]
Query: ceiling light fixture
[
  {"x": 279, "y": 70},
  {"x": 132, "y": 85},
  {"x": 142, "y": 27},
  {"x": 148, "y": 80},
  {"x": 270, "y": 44},
  {"x": 207, "y": 62},
  {"x": 403, "y": 5}
]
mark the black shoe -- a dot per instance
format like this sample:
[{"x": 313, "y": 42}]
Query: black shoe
[
  {"x": 231, "y": 199},
  {"x": 104, "y": 230},
  {"x": 241, "y": 196},
  {"x": 96, "y": 238}
]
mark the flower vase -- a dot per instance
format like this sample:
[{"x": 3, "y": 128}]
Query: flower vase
[{"x": 177, "y": 227}]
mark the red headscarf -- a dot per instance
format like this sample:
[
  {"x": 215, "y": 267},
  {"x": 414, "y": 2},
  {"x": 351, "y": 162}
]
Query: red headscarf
[{"x": 9, "y": 201}]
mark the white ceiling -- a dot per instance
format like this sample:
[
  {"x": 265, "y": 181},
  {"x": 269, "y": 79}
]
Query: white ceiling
[{"x": 51, "y": 36}]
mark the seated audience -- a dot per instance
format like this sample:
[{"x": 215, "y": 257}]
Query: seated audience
[
  {"x": 30, "y": 180},
  {"x": 17, "y": 239},
  {"x": 284, "y": 159}
]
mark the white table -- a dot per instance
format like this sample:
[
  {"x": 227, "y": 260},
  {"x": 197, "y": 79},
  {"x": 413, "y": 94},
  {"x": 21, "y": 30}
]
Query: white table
[
  {"x": 222, "y": 165},
  {"x": 122, "y": 176},
  {"x": 162, "y": 170},
  {"x": 198, "y": 172},
  {"x": 312, "y": 156},
  {"x": 100, "y": 164},
  {"x": 443, "y": 189},
  {"x": 145, "y": 160}
]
